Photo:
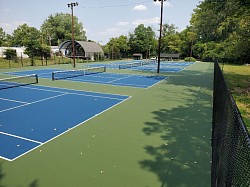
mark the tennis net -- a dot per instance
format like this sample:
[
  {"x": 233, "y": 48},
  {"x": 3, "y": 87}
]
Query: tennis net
[
  {"x": 134, "y": 64},
  {"x": 130, "y": 65},
  {"x": 57, "y": 75},
  {"x": 18, "y": 81},
  {"x": 145, "y": 62}
]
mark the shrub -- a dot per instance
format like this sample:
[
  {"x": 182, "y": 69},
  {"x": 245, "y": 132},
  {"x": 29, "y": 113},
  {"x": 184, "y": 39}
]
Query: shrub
[
  {"x": 10, "y": 54},
  {"x": 189, "y": 59}
]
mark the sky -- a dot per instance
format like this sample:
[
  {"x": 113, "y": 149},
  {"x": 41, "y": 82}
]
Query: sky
[{"x": 101, "y": 19}]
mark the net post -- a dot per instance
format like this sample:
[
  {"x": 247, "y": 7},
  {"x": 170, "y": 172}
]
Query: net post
[{"x": 36, "y": 79}]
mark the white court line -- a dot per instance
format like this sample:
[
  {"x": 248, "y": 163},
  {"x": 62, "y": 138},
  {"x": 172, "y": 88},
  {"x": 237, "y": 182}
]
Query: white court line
[
  {"x": 120, "y": 79},
  {"x": 5, "y": 158},
  {"x": 26, "y": 71},
  {"x": 81, "y": 123},
  {"x": 70, "y": 93},
  {"x": 19, "y": 137},
  {"x": 157, "y": 82},
  {"x": 115, "y": 84},
  {"x": 32, "y": 102},
  {"x": 70, "y": 90},
  {"x": 14, "y": 101},
  {"x": 140, "y": 86}
]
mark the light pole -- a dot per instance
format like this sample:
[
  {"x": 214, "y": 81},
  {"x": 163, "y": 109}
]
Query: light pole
[
  {"x": 71, "y": 5},
  {"x": 159, "y": 42}
]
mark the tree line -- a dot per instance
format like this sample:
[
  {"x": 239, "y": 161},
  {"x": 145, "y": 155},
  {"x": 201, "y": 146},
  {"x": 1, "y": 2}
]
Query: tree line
[
  {"x": 55, "y": 29},
  {"x": 219, "y": 29}
]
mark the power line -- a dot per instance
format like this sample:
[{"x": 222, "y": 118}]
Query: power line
[{"x": 119, "y": 5}]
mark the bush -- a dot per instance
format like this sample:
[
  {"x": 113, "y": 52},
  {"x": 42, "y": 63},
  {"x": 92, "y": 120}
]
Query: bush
[
  {"x": 189, "y": 59},
  {"x": 10, "y": 54}
]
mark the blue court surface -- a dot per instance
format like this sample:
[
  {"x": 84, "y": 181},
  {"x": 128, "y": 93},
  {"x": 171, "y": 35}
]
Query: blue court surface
[
  {"x": 130, "y": 80},
  {"x": 42, "y": 73},
  {"x": 31, "y": 116},
  {"x": 165, "y": 66}
]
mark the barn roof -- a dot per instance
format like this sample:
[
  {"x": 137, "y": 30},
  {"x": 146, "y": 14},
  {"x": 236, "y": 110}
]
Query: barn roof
[{"x": 89, "y": 47}]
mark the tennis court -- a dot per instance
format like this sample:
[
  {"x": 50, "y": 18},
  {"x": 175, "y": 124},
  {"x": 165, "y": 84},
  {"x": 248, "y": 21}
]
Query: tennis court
[
  {"x": 147, "y": 66},
  {"x": 70, "y": 133},
  {"x": 115, "y": 79},
  {"x": 31, "y": 116}
]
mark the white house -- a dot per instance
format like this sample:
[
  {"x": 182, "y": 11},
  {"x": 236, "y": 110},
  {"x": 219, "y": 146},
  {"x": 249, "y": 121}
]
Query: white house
[{"x": 19, "y": 51}]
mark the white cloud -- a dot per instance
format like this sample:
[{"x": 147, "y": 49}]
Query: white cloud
[
  {"x": 123, "y": 23},
  {"x": 165, "y": 3},
  {"x": 140, "y": 7},
  {"x": 114, "y": 32},
  {"x": 155, "y": 20},
  {"x": 10, "y": 27}
]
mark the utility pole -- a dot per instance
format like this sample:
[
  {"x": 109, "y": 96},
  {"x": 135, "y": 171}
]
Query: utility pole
[
  {"x": 72, "y": 5},
  {"x": 159, "y": 42}
]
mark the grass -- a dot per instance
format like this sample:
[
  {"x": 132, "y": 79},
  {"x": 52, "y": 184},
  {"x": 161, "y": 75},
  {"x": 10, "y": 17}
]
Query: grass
[
  {"x": 4, "y": 63},
  {"x": 238, "y": 80},
  {"x": 26, "y": 62}
]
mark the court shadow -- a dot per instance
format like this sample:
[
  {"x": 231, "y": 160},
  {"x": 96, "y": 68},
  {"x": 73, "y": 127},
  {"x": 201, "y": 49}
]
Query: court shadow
[
  {"x": 192, "y": 78},
  {"x": 183, "y": 157},
  {"x": 34, "y": 183},
  {"x": 1, "y": 175}
]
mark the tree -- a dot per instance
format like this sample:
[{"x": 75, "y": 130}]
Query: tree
[
  {"x": 23, "y": 35},
  {"x": 32, "y": 48},
  {"x": 142, "y": 40},
  {"x": 171, "y": 41},
  {"x": 117, "y": 48},
  {"x": 225, "y": 25},
  {"x": 58, "y": 28},
  {"x": 123, "y": 45},
  {"x": 44, "y": 52},
  {"x": 10, "y": 54},
  {"x": 4, "y": 38},
  {"x": 169, "y": 29},
  {"x": 28, "y": 37}
]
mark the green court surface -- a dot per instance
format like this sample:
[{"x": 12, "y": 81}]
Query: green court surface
[{"x": 160, "y": 137}]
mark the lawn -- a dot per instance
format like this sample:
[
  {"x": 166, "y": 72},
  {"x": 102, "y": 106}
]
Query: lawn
[
  {"x": 17, "y": 63},
  {"x": 238, "y": 80}
]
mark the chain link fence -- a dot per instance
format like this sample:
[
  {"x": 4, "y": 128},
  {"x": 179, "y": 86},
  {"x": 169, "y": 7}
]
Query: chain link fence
[{"x": 230, "y": 139}]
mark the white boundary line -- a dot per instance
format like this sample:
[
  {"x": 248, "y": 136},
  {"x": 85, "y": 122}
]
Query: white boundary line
[
  {"x": 70, "y": 93},
  {"x": 5, "y": 158},
  {"x": 19, "y": 137},
  {"x": 13, "y": 101},
  {"x": 81, "y": 123},
  {"x": 141, "y": 86},
  {"x": 10, "y": 72},
  {"x": 120, "y": 79},
  {"x": 29, "y": 86},
  {"x": 64, "y": 93},
  {"x": 103, "y": 83},
  {"x": 107, "y": 83},
  {"x": 166, "y": 78},
  {"x": 32, "y": 103}
]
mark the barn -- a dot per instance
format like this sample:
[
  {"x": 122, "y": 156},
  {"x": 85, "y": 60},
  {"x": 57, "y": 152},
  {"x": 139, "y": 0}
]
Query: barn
[{"x": 83, "y": 49}]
